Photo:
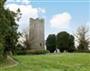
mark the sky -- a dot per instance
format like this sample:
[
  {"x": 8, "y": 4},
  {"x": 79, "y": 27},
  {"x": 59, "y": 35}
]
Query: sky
[{"x": 59, "y": 15}]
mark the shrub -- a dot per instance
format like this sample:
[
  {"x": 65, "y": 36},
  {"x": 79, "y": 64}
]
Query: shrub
[
  {"x": 71, "y": 49},
  {"x": 36, "y": 52},
  {"x": 82, "y": 51},
  {"x": 1, "y": 51},
  {"x": 20, "y": 50},
  {"x": 23, "y": 52}
]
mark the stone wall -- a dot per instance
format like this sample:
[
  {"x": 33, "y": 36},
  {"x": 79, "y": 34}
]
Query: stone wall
[{"x": 36, "y": 35}]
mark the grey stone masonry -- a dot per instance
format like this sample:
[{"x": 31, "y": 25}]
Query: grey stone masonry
[{"x": 36, "y": 34}]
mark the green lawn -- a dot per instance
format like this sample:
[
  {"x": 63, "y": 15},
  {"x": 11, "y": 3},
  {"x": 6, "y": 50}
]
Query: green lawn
[{"x": 52, "y": 62}]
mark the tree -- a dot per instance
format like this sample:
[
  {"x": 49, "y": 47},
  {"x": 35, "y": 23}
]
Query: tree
[
  {"x": 24, "y": 42},
  {"x": 51, "y": 43},
  {"x": 11, "y": 38},
  {"x": 8, "y": 28},
  {"x": 65, "y": 41},
  {"x": 27, "y": 40},
  {"x": 3, "y": 26},
  {"x": 82, "y": 36},
  {"x": 71, "y": 47}
]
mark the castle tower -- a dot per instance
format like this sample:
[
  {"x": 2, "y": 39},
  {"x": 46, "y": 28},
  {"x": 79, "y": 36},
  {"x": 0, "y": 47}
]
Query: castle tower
[{"x": 36, "y": 35}]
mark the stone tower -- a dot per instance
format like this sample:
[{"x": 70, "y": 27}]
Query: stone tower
[{"x": 36, "y": 35}]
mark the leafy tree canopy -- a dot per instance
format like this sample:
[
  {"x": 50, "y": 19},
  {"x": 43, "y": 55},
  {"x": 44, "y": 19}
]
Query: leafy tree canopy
[
  {"x": 8, "y": 28},
  {"x": 51, "y": 43},
  {"x": 65, "y": 41}
]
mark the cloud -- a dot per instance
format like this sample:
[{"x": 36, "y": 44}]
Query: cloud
[
  {"x": 24, "y": 2},
  {"x": 88, "y": 23},
  {"x": 27, "y": 12},
  {"x": 42, "y": 10},
  {"x": 61, "y": 20}
]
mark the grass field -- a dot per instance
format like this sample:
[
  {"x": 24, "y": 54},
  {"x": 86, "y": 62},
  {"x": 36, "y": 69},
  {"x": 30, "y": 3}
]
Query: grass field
[{"x": 52, "y": 62}]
